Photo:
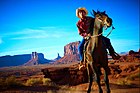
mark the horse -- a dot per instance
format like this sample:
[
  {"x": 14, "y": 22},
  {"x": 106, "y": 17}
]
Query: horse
[{"x": 95, "y": 53}]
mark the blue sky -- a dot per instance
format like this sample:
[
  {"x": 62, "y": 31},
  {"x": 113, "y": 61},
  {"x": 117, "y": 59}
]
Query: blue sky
[{"x": 46, "y": 26}]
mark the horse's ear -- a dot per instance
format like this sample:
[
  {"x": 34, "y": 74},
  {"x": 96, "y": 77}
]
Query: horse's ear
[
  {"x": 104, "y": 12},
  {"x": 98, "y": 11},
  {"x": 94, "y": 12}
]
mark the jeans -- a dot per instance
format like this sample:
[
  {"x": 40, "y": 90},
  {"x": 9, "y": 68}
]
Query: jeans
[{"x": 81, "y": 48}]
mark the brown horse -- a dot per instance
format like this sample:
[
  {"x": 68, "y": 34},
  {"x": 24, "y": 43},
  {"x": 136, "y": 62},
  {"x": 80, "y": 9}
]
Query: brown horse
[{"x": 95, "y": 54}]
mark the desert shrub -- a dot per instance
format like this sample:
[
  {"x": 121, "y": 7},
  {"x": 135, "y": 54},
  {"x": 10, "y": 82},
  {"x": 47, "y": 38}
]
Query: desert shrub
[
  {"x": 33, "y": 82},
  {"x": 12, "y": 82},
  {"x": 124, "y": 82},
  {"x": 111, "y": 62},
  {"x": 40, "y": 81},
  {"x": 133, "y": 76},
  {"x": 48, "y": 82}
]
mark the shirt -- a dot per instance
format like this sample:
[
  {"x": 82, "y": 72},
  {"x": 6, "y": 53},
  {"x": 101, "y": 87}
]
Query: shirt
[{"x": 85, "y": 26}]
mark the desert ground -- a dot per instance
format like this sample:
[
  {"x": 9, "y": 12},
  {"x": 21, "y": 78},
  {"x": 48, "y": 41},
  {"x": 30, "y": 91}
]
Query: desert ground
[{"x": 126, "y": 82}]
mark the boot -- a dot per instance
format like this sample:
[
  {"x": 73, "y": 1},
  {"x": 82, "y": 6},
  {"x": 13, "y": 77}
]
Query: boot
[
  {"x": 115, "y": 56},
  {"x": 82, "y": 66},
  {"x": 112, "y": 52},
  {"x": 108, "y": 45}
]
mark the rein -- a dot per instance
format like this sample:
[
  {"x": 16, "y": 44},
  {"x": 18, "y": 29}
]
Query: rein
[
  {"x": 110, "y": 31},
  {"x": 97, "y": 35},
  {"x": 102, "y": 33}
]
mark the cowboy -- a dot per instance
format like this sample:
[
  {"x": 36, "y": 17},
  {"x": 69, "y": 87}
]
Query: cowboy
[{"x": 85, "y": 29}]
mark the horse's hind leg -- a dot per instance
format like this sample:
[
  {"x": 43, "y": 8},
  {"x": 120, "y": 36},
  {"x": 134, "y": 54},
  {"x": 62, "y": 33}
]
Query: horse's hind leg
[
  {"x": 90, "y": 83},
  {"x": 106, "y": 81}
]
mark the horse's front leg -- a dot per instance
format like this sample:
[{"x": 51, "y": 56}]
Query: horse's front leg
[
  {"x": 93, "y": 71},
  {"x": 90, "y": 78},
  {"x": 90, "y": 69}
]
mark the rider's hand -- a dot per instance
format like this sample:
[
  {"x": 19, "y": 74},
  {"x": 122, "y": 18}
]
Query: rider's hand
[{"x": 87, "y": 37}]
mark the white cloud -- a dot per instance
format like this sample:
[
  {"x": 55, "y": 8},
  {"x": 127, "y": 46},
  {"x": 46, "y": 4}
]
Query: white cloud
[
  {"x": 42, "y": 32},
  {"x": 49, "y": 37},
  {"x": 47, "y": 27}
]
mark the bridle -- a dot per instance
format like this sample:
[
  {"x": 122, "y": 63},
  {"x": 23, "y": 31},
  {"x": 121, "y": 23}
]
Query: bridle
[{"x": 105, "y": 27}]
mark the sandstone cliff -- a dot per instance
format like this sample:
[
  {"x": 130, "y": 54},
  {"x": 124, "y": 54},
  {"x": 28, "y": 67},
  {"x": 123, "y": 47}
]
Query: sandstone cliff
[
  {"x": 71, "y": 48},
  {"x": 128, "y": 65},
  {"x": 70, "y": 53}
]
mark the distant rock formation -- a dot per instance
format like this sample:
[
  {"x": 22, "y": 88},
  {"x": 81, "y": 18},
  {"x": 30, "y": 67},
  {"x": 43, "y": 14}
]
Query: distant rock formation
[
  {"x": 132, "y": 52},
  {"x": 33, "y": 60},
  {"x": 70, "y": 53},
  {"x": 58, "y": 57},
  {"x": 24, "y": 59},
  {"x": 131, "y": 57},
  {"x": 37, "y": 58},
  {"x": 14, "y": 60}
]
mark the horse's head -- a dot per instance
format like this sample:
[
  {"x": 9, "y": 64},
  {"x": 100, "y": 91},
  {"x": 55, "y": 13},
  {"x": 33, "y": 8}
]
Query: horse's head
[{"x": 103, "y": 18}]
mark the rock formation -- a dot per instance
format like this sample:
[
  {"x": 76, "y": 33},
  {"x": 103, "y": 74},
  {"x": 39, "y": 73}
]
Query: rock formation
[
  {"x": 14, "y": 60},
  {"x": 37, "y": 58},
  {"x": 71, "y": 48},
  {"x": 132, "y": 56},
  {"x": 58, "y": 57},
  {"x": 66, "y": 75},
  {"x": 24, "y": 59},
  {"x": 33, "y": 60},
  {"x": 72, "y": 75},
  {"x": 70, "y": 53}
]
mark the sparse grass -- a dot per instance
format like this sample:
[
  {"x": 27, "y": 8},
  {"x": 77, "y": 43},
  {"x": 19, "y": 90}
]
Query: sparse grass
[
  {"x": 124, "y": 82},
  {"x": 133, "y": 76},
  {"x": 48, "y": 82},
  {"x": 12, "y": 82},
  {"x": 111, "y": 62},
  {"x": 9, "y": 82},
  {"x": 33, "y": 82},
  {"x": 40, "y": 81}
]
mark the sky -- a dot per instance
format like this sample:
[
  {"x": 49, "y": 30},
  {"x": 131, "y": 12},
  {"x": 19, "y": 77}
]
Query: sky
[{"x": 46, "y": 26}]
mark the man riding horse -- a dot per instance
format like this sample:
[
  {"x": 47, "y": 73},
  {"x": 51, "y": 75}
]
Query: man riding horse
[{"x": 85, "y": 29}]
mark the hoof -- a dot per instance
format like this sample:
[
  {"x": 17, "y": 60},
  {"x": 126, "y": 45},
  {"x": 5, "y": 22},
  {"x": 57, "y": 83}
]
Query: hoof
[
  {"x": 89, "y": 90},
  {"x": 100, "y": 91},
  {"x": 108, "y": 91}
]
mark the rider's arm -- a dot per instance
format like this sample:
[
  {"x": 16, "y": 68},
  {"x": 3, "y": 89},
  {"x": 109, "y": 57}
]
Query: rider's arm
[{"x": 81, "y": 31}]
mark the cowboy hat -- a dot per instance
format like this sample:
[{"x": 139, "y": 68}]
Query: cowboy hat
[{"x": 81, "y": 9}]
